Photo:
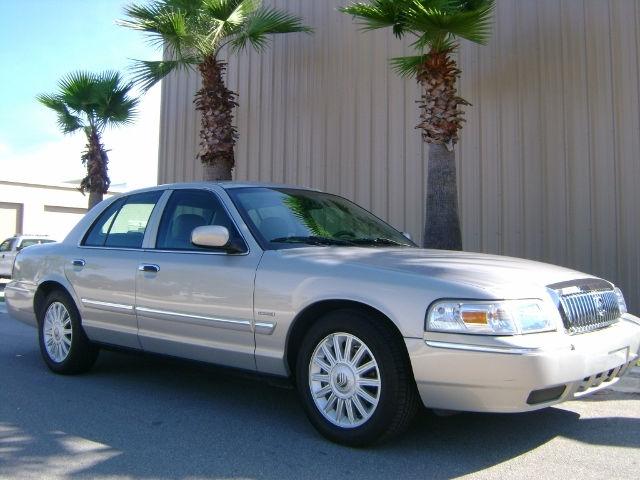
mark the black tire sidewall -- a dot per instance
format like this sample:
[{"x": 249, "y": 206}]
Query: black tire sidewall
[{"x": 359, "y": 324}]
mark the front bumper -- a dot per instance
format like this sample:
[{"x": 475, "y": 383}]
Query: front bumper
[{"x": 499, "y": 374}]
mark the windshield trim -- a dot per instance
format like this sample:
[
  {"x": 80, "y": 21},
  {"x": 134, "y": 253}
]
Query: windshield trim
[{"x": 266, "y": 245}]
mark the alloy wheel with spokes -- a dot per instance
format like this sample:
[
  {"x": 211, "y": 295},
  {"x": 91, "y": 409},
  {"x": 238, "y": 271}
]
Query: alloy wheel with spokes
[
  {"x": 354, "y": 377},
  {"x": 64, "y": 344},
  {"x": 344, "y": 379},
  {"x": 58, "y": 332}
]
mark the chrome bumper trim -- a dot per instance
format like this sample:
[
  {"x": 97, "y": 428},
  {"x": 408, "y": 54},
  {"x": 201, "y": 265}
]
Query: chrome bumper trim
[{"x": 482, "y": 348}]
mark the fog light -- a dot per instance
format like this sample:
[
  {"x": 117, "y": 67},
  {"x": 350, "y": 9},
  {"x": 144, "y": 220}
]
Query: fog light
[{"x": 546, "y": 395}]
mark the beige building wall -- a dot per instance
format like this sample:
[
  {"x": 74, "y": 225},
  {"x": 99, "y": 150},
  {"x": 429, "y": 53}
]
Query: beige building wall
[
  {"x": 549, "y": 161},
  {"x": 37, "y": 209}
]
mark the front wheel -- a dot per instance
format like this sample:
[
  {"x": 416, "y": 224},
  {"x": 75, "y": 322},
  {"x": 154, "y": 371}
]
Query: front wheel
[
  {"x": 64, "y": 345},
  {"x": 355, "y": 380}
]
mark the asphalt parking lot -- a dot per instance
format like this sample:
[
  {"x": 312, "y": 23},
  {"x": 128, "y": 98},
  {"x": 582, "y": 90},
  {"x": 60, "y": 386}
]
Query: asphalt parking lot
[{"x": 143, "y": 417}]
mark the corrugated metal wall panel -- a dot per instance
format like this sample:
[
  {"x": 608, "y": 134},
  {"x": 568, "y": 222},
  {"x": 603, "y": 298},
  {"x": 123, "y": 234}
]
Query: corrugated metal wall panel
[{"x": 549, "y": 162}]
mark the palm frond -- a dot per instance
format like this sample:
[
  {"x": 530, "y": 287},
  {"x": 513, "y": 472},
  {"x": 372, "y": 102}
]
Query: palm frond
[
  {"x": 407, "y": 66},
  {"x": 165, "y": 23},
  {"x": 451, "y": 19},
  {"x": 380, "y": 14},
  {"x": 246, "y": 8},
  {"x": 147, "y": 73},
  {"x": 263, "y": 22},
  {"x": 77, "y": 91},
  {"x": 435, "y": 23},
  {"x": 67, "y": 122},
  {"x": 143, "y": 17},
  {"x": 226, "y": 10},
  {"x": 90, "y": 100},
  {"x": 114, "y": 106}
]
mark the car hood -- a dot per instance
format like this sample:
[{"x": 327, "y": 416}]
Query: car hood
[{"x": 506, "y": 277}]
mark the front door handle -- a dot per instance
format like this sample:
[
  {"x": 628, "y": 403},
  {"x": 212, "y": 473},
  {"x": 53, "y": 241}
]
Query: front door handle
[
  {"x": 149, "y": 268},
  {"x": 78, "y": 262}
]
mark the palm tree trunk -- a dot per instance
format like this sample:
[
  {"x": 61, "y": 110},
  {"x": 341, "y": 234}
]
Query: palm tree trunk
[
  {"x": 95, "y": 157},
  {"x": 442, "y": 225},
  {"x": 217, "y": 133},
  {"x": 441, "y": 119}
]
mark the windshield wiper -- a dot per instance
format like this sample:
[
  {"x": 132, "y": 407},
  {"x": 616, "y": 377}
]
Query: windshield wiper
[
  {"x": 312, "y": 240},
  {"x": 377, "y": 241}
]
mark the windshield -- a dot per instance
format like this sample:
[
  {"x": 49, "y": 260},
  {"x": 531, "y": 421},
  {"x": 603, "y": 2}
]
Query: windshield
[{"x": 283, "y": 217}]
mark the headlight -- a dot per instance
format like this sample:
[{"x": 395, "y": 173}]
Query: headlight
[
  {"x": 622, "y": 305},
  {"x": 507, "y": 317}
]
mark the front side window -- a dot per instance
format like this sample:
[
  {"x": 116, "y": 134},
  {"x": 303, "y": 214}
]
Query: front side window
[
  {"x": 283, "y": 217},
  {"x": 124, "y": 222},
  {"x": 6, "y": 245},
  {"x": 187, "y": 210}
]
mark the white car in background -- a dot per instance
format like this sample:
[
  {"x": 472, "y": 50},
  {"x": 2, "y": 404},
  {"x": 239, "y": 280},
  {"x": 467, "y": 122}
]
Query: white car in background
[{"x": 12, "y": 245}]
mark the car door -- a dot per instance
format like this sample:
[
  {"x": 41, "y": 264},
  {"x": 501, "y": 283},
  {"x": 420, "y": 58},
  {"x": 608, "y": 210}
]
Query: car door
[
  {"x": 197, "y": 302},
  {"x": 7, "y": 256},
  {"x": 103, "y": 269}
]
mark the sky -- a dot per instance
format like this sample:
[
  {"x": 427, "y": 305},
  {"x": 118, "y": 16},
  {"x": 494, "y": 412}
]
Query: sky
[{"x": 40, "y": 42}]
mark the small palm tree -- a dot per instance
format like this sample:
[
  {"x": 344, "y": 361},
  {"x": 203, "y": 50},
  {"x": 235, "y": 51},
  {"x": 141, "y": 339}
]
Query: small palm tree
[
  {"x": 92, "y": 102},
  {"x": 193, "y": 34},
  {"x": 436, "y": 26}
]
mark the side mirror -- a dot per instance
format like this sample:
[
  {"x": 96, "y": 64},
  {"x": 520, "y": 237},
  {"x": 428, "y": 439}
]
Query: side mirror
[
  {"x": 214, "y": 236},
  {"x": 210, "y": 236}
]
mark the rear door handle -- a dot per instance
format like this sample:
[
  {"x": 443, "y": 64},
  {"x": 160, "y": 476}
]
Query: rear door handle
[
  {"x": 149, "y": 267},
  {"x": 78, "y": 262}
]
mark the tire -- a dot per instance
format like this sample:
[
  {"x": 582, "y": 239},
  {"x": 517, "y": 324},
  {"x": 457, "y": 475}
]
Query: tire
[
  {"x": 64, "y": 345},
  {"x": 390, "y": 398}
]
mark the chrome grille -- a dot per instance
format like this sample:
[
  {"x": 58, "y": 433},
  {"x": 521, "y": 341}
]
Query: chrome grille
[{"x": 587, "y": 305}]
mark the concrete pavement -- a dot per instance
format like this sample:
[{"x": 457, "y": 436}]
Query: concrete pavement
[{"x": 141, "y": 417}]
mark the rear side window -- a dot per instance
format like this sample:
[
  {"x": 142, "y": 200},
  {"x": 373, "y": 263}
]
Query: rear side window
[{"x": 124, "y": 223}]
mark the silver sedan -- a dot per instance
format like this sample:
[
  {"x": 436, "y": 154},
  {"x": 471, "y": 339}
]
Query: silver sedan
[{"x": 294, "y": 282}]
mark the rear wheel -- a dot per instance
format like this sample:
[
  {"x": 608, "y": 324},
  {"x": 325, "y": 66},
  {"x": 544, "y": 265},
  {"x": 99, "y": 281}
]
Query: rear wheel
[
  {"x": 64, "y": 345},
  {"x": 355, "y": 380}
]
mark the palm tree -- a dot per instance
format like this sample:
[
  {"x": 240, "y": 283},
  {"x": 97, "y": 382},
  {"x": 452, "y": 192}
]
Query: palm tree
[
  {"x": 193, "y": 34},
  {"x": 435, "y": 26},
  {"x": 92, "y": 102}
]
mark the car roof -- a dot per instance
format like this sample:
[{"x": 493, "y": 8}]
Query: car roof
[
  {"x": 34, "y": 237},
  {"x": 224, "y": 185}
]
